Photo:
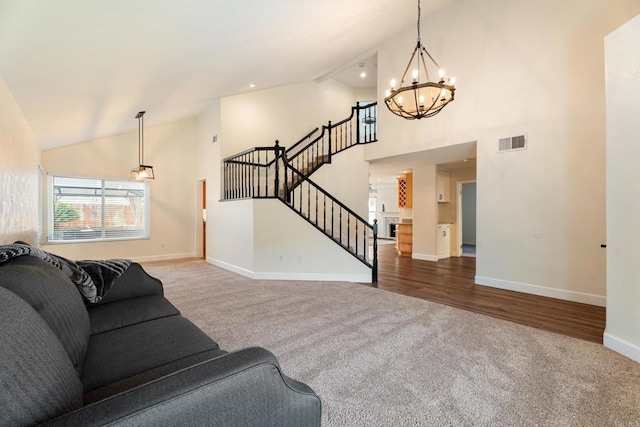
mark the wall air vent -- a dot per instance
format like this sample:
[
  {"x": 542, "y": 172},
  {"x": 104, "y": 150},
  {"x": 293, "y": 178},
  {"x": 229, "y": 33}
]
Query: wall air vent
[{"x": 512, "y": 143}]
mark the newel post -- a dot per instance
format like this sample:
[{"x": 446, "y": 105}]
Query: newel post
[
  {"x": 329, "y": 138},
  {"x": 374, "y": 271},
  {"x": 358, "y": 122},
  {"x": 277, "y": 174}
]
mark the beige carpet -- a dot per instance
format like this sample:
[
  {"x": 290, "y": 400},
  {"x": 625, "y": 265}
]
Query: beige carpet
[{"x": 381, "y": 359}]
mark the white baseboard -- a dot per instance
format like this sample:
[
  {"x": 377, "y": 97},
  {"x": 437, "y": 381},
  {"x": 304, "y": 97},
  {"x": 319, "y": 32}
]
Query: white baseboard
[
  {"x": 317, "y": 277},
  {"x": 163, "y": 257},
  {"x": 425, "y": 257},
  {"x": 233, "y": 268},
  {"x": 621, "y": 346},
  {"x": 580, "y": 297}
]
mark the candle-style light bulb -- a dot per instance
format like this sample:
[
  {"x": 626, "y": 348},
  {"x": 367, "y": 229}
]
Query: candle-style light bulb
[
  {"x": 441, "y": 73},
  {"x": 393, "y": 83},
  {"x": 387, "y": 93},
  {"x": 414, "y": 74},
  {"x": 452, "y": 81},
  {"x": 400, "y": 99}
]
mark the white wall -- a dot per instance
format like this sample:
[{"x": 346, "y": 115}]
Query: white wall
[
  {"x": 425, "y": 212},
  {"x": 230, "y": 228},
  {"x": 522, "y": 67},
  {"x": 172, "y": 150},
  {"x": 347, "y": 179},
  {"x": 623, "y": 191},
  {"x": 285, "y": 113},
  {"x": 284, "y": 248},
  {"x": 266, "y": 240},
  {"x": 19, "y": 158},
  {"x": 208, "y": 164}
]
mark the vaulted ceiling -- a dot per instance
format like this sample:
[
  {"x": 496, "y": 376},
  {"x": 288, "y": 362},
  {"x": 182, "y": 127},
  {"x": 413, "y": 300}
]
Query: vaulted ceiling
[{"x": 82, "y": 69}]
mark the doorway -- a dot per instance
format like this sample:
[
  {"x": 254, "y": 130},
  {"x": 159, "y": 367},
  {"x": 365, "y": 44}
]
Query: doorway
[
  {"x": 201, "y": 219},
  {"x": 466, "y": 233}
]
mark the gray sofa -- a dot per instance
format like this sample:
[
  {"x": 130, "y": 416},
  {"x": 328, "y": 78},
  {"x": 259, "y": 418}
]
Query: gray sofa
[{"x": 130, "y": 359}]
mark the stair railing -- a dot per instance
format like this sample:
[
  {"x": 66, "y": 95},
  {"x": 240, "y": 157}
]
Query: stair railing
[
  {"x": 253, "y": 173},
  {"x": 359, "y": 128},
  {"x": 332, "y": 217}
]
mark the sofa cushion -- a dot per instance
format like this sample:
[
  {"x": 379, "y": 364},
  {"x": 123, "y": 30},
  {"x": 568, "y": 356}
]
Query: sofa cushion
[
  {"x": 151, "y": 375},
  {"x": 105, "y": 317},
  {"x": 121, "y": 353},
  {"x": 54, "y": 297},
  {"x": 37, "y": 377}
]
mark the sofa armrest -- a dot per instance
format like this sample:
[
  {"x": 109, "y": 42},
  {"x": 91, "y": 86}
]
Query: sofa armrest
[
  {"x": 243, "y": 388},
  {"x": 134, "y": 282}
]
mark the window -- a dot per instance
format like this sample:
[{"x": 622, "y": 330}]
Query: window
[
  {"x": 41, "y": 204},
  {"x": 86, "y": 209}
]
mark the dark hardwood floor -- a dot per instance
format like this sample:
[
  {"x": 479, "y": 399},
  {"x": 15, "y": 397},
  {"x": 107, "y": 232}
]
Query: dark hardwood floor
[{"x": 450, "y": 281}]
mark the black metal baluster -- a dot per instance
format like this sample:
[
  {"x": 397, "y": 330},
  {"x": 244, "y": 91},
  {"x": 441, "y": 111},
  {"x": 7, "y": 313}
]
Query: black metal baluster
[
  {"x": 340, "y": 219},
  {"x": 324, "y": 213},
  {"x": 348, "y": 230},
  {"x": 333, "y": 224},
  {"x": 259, "y": 173},
  {"x": 277, "y": 178},
  {"x": 308, "y": 200},
  {"x": 224, "y": 175},
  {"x": 356, "y": 237}
]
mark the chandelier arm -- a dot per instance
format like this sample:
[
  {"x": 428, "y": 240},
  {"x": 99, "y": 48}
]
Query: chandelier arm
[
  {"x": 424, "y": 65},
  {"x": 435, "y": 101},
  {"x": 430, "y": 57},
  {"x": 406, "y": 70}
]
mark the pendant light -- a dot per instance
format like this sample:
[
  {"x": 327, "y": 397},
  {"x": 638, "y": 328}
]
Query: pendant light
[{"x": 142, "y": 172}]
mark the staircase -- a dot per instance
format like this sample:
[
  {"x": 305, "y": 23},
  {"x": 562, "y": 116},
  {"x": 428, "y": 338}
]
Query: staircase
[{"x": 284, "y": 174}]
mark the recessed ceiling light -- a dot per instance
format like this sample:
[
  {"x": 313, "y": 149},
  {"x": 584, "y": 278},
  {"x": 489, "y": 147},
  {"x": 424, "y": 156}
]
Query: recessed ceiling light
[
  {"x": 363, "y": 74},
  {"x": 252, "y": 85}
]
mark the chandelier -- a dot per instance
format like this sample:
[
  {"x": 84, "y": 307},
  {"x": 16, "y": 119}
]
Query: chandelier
[
  {"x": 142, "y": 172},
  {"x": 421, "y": 97}
]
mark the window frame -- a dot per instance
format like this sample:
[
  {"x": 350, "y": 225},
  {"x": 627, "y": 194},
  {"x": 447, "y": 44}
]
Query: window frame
[{"x": 49, "y": 235}]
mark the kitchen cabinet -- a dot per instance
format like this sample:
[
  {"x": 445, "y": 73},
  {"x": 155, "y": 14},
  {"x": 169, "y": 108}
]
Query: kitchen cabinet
[
  {"x": 444, "y": 240},
  {"x": 405, "y": 191},
  {"x": 404, "y": 239},
  {"x": 443, "y": 186}
]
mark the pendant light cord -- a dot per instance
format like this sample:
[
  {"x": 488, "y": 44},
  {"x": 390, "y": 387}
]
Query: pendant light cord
[
  {"x": 141, "y": 132},
  {"x": 419, "y": 11}
]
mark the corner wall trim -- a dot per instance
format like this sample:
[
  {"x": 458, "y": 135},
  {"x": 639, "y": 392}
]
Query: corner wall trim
[
  {"x": 543, "y": 291},
  {"x": 318, "y": 277},
  {"x": 621, "y": 346},
  {"x": 425, "y": 257}
]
